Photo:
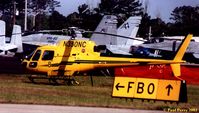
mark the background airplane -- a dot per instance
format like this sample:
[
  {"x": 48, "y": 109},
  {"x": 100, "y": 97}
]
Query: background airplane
[
  {"x": 167, "y": 49},
  {"x": 48, "y": 37},
  {"x": 9, "y": 49},
  {"x": 196, "y": 39},
  {"x": 118, "y": 44}
]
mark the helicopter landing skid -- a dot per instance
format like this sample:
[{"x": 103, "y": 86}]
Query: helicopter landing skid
[{"x": 54, "y": 80}]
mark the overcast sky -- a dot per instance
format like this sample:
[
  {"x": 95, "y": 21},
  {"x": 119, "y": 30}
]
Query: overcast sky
[{"x": 162, "y": 8}]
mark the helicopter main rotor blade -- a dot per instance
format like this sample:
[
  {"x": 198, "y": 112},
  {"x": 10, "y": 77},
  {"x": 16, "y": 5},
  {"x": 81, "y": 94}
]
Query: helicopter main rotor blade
[{"x": 115, "y": 35}]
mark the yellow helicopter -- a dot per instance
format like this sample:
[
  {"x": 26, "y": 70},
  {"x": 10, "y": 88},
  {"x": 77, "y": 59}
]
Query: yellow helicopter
[{"x": 69, "y": 57}]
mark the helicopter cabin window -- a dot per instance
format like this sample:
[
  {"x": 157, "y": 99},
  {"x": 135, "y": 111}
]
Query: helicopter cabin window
[
  {"x": 48, "y": 55},
  {"x": 37, "y": 55}
]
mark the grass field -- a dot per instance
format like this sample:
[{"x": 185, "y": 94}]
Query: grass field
[{"x": 18, "y": 89}]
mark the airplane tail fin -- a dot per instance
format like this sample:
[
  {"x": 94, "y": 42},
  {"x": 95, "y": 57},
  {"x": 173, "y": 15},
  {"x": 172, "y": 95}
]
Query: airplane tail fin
[
  {"x": 2, "y": 32},
  {"x": 129, "y": 29},
  {"x": 108, "y": 24},
  {"x": 16, "y": 38},
  {"x": 179, "y": 55}
]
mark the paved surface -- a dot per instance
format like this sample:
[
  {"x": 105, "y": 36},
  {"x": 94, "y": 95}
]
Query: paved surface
[{"x": 20, "y": 108}]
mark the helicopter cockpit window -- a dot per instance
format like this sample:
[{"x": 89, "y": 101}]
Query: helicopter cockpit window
[
  {"x": 37, "y": 55},
  {"x": 48, "y": 55}
]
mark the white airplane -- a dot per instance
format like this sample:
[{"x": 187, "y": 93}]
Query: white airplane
[
  {"x": 107, "y": 25},
  {"x": 15, "y": 44},
  {"x": 45, "y": 37},
  {"x": 196, "y": 39},
  {"x": 167, "y": 48},
  {"x": 118, "y": 44}
]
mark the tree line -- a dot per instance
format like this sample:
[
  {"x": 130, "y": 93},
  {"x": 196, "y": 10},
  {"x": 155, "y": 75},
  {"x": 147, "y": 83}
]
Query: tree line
[{"x": 42, "y": 14}]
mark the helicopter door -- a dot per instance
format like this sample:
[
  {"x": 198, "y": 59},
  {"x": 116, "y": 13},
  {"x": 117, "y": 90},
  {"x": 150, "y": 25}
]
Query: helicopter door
[{"x": 47, "y": 57}]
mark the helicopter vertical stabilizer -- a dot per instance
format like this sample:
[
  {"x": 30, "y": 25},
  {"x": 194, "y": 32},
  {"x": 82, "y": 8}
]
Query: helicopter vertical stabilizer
[{"x": 179, "y": 55}]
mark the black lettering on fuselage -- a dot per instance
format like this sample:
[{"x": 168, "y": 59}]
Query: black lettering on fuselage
[
  {"x": 52, "y": 38},
  {"x": 74, "y": 44}
]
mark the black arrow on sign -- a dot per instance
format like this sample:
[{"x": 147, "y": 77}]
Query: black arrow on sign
[
  {"x": 169, "y": 87},
  {"x": 118, "y": 86}
]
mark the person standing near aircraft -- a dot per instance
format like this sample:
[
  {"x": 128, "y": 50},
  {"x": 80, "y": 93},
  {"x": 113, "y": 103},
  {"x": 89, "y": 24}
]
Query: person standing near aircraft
[{"x": 73, "y": 34}]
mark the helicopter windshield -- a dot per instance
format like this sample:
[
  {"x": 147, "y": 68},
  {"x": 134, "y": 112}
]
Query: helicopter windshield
[
  {"x": 36, "y": 55},
  {"x": 28, "y": 57}
]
